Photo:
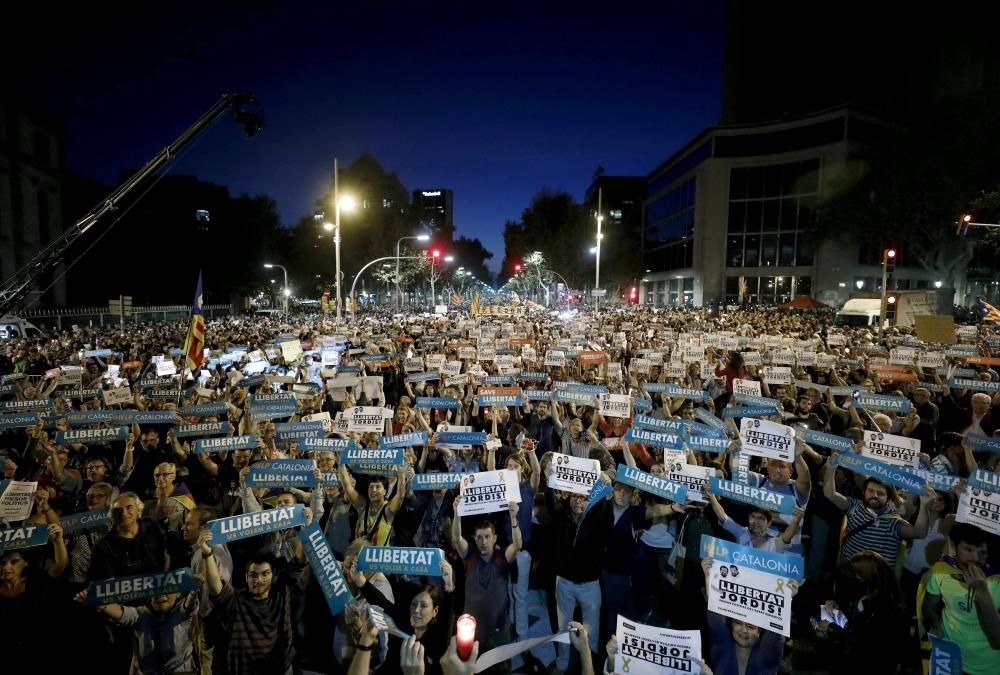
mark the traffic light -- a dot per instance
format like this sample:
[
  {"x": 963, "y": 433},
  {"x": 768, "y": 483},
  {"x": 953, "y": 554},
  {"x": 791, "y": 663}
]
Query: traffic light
[
  {"x": 436, "y": 253},
  {"x": 891, "y": 301},
  {"x": 517, "y": 268},
  {"x": 634, "y": 296},
  {"x": 890, "y": 259}
]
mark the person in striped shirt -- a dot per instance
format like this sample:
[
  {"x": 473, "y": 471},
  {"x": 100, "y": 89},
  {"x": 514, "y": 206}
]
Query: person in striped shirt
[{"x": 873, "y": 524}]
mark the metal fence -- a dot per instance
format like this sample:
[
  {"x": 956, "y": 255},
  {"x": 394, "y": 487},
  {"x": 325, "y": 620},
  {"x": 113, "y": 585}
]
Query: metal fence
[{"x": 102, "y": 316}]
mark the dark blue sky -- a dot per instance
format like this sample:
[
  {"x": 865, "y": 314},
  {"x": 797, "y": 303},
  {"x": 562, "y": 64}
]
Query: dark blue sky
[{"x": 493, "y": 101}]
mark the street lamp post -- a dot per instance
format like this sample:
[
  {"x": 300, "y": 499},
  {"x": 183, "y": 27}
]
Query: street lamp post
[
  {"x": 369, "y": 264},
  {"x": 285, "y": 290},
  {"x": 887, "y": 255},
  {"x": 597, "y": 268},
  {"x": 418, "y": 237},
  {"x": 347, "y": 203}
]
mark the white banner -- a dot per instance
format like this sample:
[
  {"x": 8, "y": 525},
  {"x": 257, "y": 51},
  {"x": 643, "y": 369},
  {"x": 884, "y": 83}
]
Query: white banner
[
  {"x": 752, "y": 359},
  {"x": 745, "y": 594},
  {"x": 764, "y": 438},
  {"x": 746, "y": 387},
  {"x": 892, "y": 449},
  {"x": 573, "y": 474},
  {"x": 648, "y": 650},
  {"x": 981, "y": 508},
  {"x": 488, "y": 492},
  {"x": 166, "y": 367},
  {"x": 695, "y": 477},
  {"x": 554, "y": 358},
  {"x": 365, "y": 418},
  {"x": 17, "y": 500},
  {"x": 615, "y": 405},
  {"x": 117, "y": 396},
  {"x": 777, "y": 374}
]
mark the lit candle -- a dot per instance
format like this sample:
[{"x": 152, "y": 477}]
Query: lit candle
[{"x": 465, "y": 635}]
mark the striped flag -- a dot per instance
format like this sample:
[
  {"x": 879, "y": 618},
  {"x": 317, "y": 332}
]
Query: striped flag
[
  {"x": 474, "y": 308},
  {"x": 990, "y": 313},
  {"x": 456, "y": 299},
  {"x": 194, "y": 345}
]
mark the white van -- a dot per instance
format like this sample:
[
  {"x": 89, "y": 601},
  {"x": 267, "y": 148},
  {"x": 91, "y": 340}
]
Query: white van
[
  {"x": 12, "y": 327},
  {"x": 859, "y": 312}
]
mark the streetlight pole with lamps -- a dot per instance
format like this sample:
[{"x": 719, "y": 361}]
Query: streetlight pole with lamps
[
  {"x": 347, "y": 204},
  {"x": 285, "y": 291},
  {"x": 597, "y": 268},
  {"x": 887, "y": 255},
  {"x": 418, "y": 237}
]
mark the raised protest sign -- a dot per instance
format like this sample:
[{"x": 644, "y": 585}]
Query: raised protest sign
[
  {"x": 325, "y": 568},
  {"x": 707, "y": 444},
  {"x": 744, "y": 594},
  {"x": 16, "y": 499},
  {"x": 403, "y": 440},
  {"x": 117, "y": 396},
  {"x": 692, "y": 476},
  {"x": 227, "y": 444},
  {"x": 373, "y": 461},
  {"x": 19, "y": 420},
  {"x": 320, "y": 444},
  {"x": 759, "y": 497},
  {"x": 887, "y": 473},
  {"x": 642, "y": 404},
  {"x": 29, "y": 404},
  {"x": 573, "y": 474},
  {"x": 401, "y": 560},
  {"x": 598, "y": 493},
  {"x": 91, "y": 436},
  {"x": 614, "y": 405},
  {"x": 654, "y": 438},
  {"x": 129, "y": 590},
  {"x": 880, "y": 402},
  {"x": 291, "y": 431},
  {"x": 488, "y": 492},
  {"x": 27, "y": 536},
  {"x": 201, "y": 429},
  {"x": 272, "y": 411},
  {"x": 711, "y": 420},
  {"x": 758, "y": 401},
  {"x": 734, "y": 412},
  {"x": 201, "y": 409},
  {"x": 946, "y": 656},
  {"x": 538, "y": 394},
  {"x": 233, "y": 528},
  {"x": 657, "y": 424},
  {"x": 777, "y": 374},
  {"x": 979, "y": 504},
  {"x": 675, "y": 391},
  {"x": 365, "y": 418},
  {"x": 892, "y": 449},
  {"x": 763, "y": 438},
  {"x": 88, "y": 520},
  {"x": 981, "y": 442},
  {"x": 436, "y": 402},
  {"x": 751, "y": 387},
  {"x": 649, "y": 650},
  {"x": 460, "y": 437},
  {"x": 823, "y": 439},
  {"x": 497, "y": 400},
  {"x": 655, "y": 485},
  {"x": 571, "y": 396},
  {"x": 790, "y": 565},
  {"x": 436, "y": 481},
  {"x": 282, "y": 473}
]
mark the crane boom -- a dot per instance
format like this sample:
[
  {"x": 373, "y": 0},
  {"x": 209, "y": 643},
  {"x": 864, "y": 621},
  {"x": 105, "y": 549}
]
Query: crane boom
[{"x": 18, "y": 285}]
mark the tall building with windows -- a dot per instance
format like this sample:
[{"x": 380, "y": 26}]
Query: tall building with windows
[
  {"x": 621, "y": 200},
  {"x": 31, "y": 185},
  {"x": 435, "y": 209}
]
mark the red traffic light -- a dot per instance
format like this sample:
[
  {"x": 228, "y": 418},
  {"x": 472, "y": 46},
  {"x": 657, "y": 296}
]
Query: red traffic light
[
  {"x": 436, "y": 253},
  {"x": 891, "y": 299},
  {"x": 517, "y": 268}
]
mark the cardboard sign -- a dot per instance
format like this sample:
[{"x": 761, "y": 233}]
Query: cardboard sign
[
  {"x": 979, "y": 504},
  {"x": 291, "y": 351},
  {"x": 649, "y": 650},
  {"x": 130, "y": 590},
  {"x": 934, "y": 328},
  {"x": 759, "y": 497},
  {"x": 401, "y": 560},
  {"x": 325, "y": 568},
  {"x": 777, "y": 374},
  {"x": 764, "y": 438},
  {"x": 573, "y": 474},
  {"x": 892, "y": 449},
  {"x": 655, "y": 485},
  {"x": 751, "y": 387},
  {"x": 243, "y": 526},
  {"x": 16, "y": 499},
  {"x": 488, "y": 492}
]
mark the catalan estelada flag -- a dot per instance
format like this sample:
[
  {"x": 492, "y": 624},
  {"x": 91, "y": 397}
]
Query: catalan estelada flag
[
  {"x": 990, "y": 313},
  {"x": 456, "y": 299},
  {"x": 194, "y": 345},
  {"x": 474, "y": 307}
]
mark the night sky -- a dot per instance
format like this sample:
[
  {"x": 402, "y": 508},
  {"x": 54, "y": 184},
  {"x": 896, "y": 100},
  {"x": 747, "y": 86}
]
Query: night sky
[{"x": 493, "y": 102}]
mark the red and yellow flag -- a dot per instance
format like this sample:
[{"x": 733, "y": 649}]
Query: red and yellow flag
[{"x": 194, "y": 345}]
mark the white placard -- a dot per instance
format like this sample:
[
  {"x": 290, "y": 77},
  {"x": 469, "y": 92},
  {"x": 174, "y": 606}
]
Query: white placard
[
  {"x": 615, "y": 405},
  {"x": 639, "y": 366},
  {"x": 752, "y": 359},
  {"x": 166, "y": 367},
  {"x": 695, "y": 477},
  {"x": 413, "y": 364},
  {"x": 435, "y": 361},
  {"x": 466, "y": 353},
  {"x": 365, "y": 418},
  {"x": 979, "y": 507},
  {"x": 323, "y": 417},
  {"x": 746, "y": 387},
  {"x": 451, "y": 368},
  {"x": 573, "y": 474},
  {"x": 930, "y": 360},
  {"x": 763, "y": 438},
  {"x": 648, "y": 650},
  {"x": 783, "y": 357},
  {"x": 487, "y": 353},
  {"x": 748, "y": 595},
  {"x": 118, "y": 396},
  {"x": 17, "y": 500},
  {"x": 488, "y": 492},
  {"x": 693, "y": 353},
  {"x": 806, "y": 358},
  {"x": 777, "y": 374},
  {"x": 892, "y": 449},
  {"x": 554, "y": 358},
  {"x": 675, "y": 369},
  {"x": 528, "y": 353}
]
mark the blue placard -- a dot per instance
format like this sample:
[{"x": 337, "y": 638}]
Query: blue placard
[
  {"x": 642, "y": 404},
  {"x": 7, "y": 389},
  {"x": 436, "y": 481},
  {"x": 201, "y": 429},
  {"x": 760, "y": 497},
  {"x": 81, "y": 394},
  {"x": 225, "y": 530},
  {"x": 282, "y": 473},
  {"x": 647, "y": 482},
  {"x": 748, "y": 411},
  {"x": 19, "y": 420},
  {"x": 152, "y": 416},
  {"x": 880, "y": 402},
  {"x": 538, "y": 394},
  {"x": 27, "y": 536},
  {"x": 30, "y": 404},
  {"x": 526, "y": 376},
  {"x": 752, "y": 399},
  {"x": 711, "y": 420},
  {"x": 348, "y": 370},
  {"x": 975, "y": 385},
  {"x": 657, "y": 424},
  {"x": 487, "y": 400},
  {"x": 499, "y": 380},
  {"x": 708, "y": 444},
  {"x": 790, "y": 565},
  {"x": 655, "y": 438},
  {"x": 163, "y": 393},
  {"x": 941, "y": 482},
  {"x": 401, "y": 560},
  {"x": 437, "y": 402},
  {"x": 675, "y": 391},
  {"x": 129, "y": 590},
  {"x": 290, "y": 431},
  {"x": 403, "y": 440},
  {"x": 99, "y": 353},
  {"x": 250, "y": 382},
  {"x": 200, "y": 409},
  {"x": 325, "y": 568},
  {"x": 583, "y": 388},
  {"x": 91, "y": 436},
  {"x": 945, "y": 658},
  {"x": 423, "y": 377},
  {"x": 272, "y": 411},
  {"x": 369, "y": 460},
  {"x": 697, "y": 428},
  {"x": 887, "y": 473},
  {"x": 320, "y": 444},
  {"x": 227, "y": 444},
  {"x": 981, "y": 442},
  {"x": 88, "y": 520},
  {"x": 823, "y": 439},
  {"x": 985, "y": 480},
  {"x": 598, "y": 493}
]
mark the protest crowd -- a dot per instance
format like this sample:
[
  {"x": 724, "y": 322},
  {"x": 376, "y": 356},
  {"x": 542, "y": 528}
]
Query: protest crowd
[{"x": 628, "y": 490}]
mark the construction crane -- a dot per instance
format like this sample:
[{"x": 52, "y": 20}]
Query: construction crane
[{"x": 19, "y": 284}]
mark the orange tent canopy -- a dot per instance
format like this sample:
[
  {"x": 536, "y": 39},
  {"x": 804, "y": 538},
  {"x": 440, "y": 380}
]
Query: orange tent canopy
[{"x": 803, "y": 302}]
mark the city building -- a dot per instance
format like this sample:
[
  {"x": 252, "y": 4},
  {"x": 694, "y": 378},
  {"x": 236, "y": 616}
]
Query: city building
[
  {"x": 621, "y": 202},
  {"x": 435, "y": 209},
  {"x": 31, "y": 185}
]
